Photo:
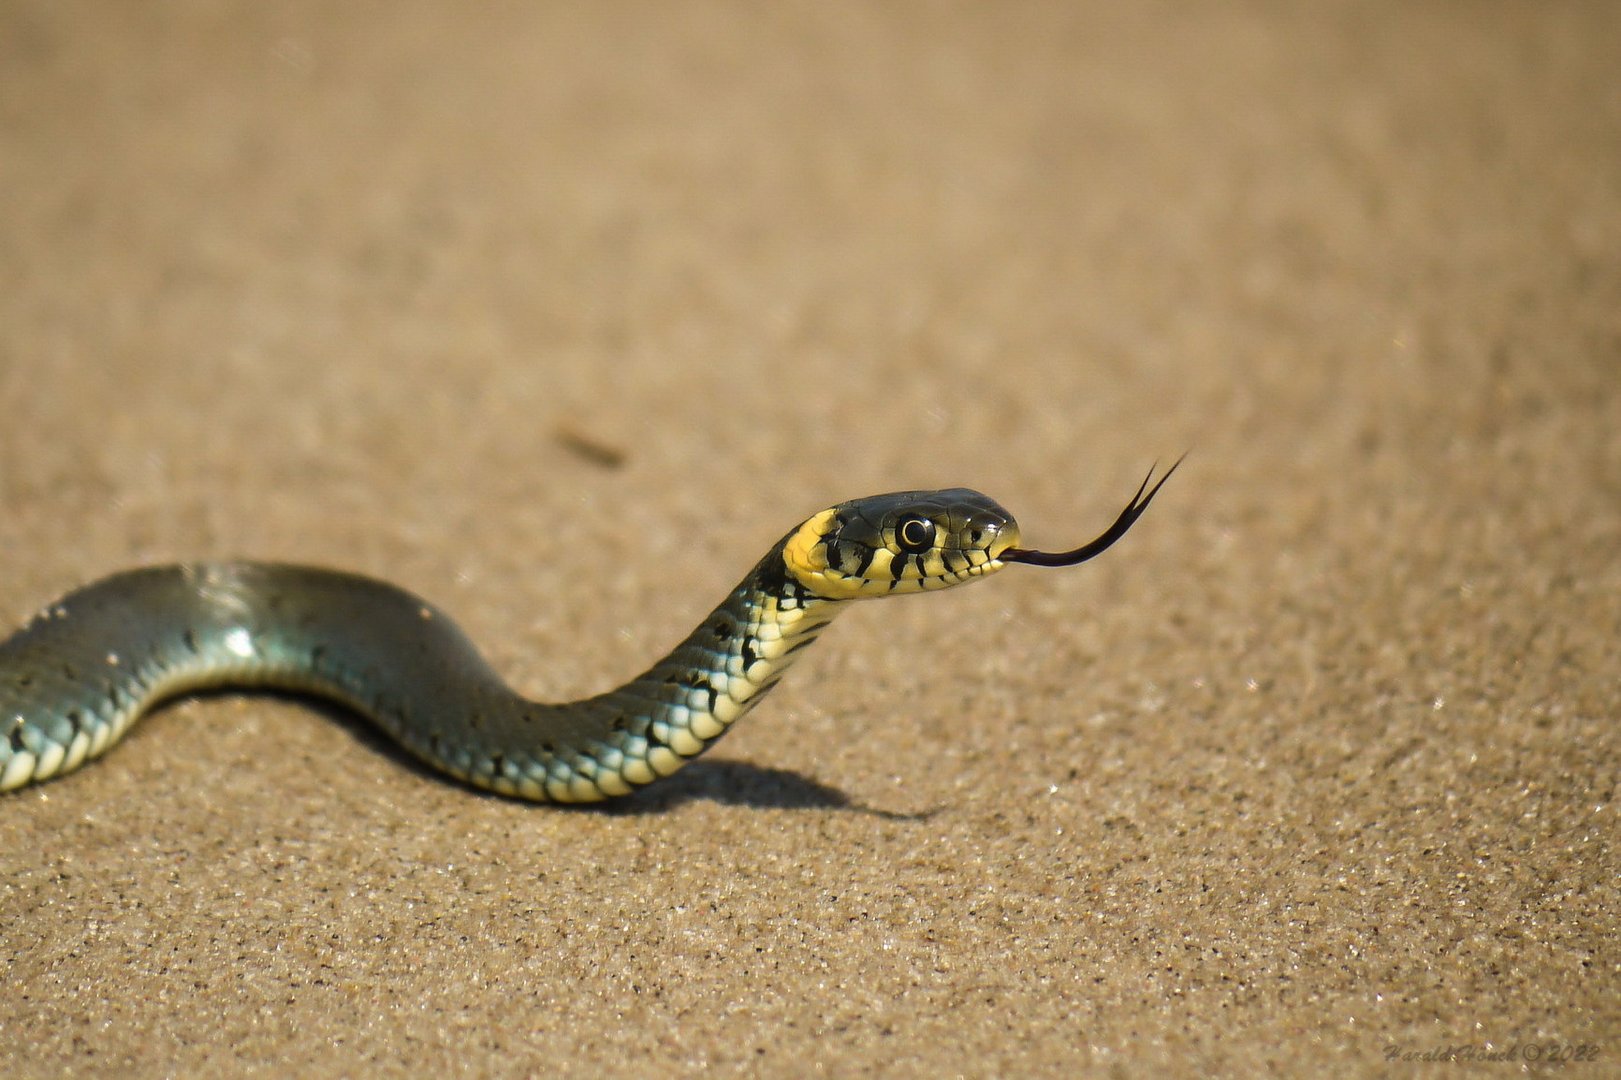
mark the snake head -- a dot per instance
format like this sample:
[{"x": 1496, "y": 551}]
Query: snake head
[
  {"x": 918, "y": 541},
  {"x": 905, "y": 541}
]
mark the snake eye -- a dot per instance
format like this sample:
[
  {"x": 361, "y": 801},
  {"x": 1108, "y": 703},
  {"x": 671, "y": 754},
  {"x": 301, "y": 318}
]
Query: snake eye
[{"x": 914, "y": 534}]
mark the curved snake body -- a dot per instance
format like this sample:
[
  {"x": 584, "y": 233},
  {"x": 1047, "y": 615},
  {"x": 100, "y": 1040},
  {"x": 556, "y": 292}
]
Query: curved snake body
[{"x": 84, "y": 669}]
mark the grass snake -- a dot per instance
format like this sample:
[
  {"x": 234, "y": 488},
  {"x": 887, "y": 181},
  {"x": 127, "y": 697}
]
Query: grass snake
[{"x": 75, "y": 678}]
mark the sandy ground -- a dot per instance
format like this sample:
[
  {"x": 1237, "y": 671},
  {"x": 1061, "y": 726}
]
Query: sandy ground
[{"x": 560, "y": 314}]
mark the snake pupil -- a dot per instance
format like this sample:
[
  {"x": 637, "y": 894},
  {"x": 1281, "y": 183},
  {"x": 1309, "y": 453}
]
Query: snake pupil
[{"x": 914, "y": 534}]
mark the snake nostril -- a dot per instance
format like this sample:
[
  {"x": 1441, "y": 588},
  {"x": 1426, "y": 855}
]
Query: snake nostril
[{"x": 983, "y": 533}]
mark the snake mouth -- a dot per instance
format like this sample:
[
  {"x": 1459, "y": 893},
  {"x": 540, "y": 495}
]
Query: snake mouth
[
  {"x": 1097, "y": 546},
  {"x": 996, "y": 553}
]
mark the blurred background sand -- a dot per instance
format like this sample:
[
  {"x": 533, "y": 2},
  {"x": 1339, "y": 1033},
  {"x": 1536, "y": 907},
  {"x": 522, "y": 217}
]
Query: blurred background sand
[{"x": 560, "y": 314}]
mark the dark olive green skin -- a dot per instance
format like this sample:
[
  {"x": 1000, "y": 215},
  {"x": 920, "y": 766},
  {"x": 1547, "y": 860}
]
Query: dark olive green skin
[{"x": 75, "y": 678}]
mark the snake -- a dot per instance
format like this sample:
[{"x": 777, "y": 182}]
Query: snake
[{"x": 77, "y": 676}]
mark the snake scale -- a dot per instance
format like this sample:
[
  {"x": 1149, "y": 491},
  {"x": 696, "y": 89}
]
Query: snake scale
[{"x": 75, "y": 678}]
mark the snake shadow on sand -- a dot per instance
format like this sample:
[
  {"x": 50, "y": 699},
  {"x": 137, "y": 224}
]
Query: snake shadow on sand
[{"x": 734, "y": 783}]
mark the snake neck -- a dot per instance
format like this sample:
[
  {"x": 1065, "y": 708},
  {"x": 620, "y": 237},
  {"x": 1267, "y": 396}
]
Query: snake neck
[{"x": 671, "y": 713}]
